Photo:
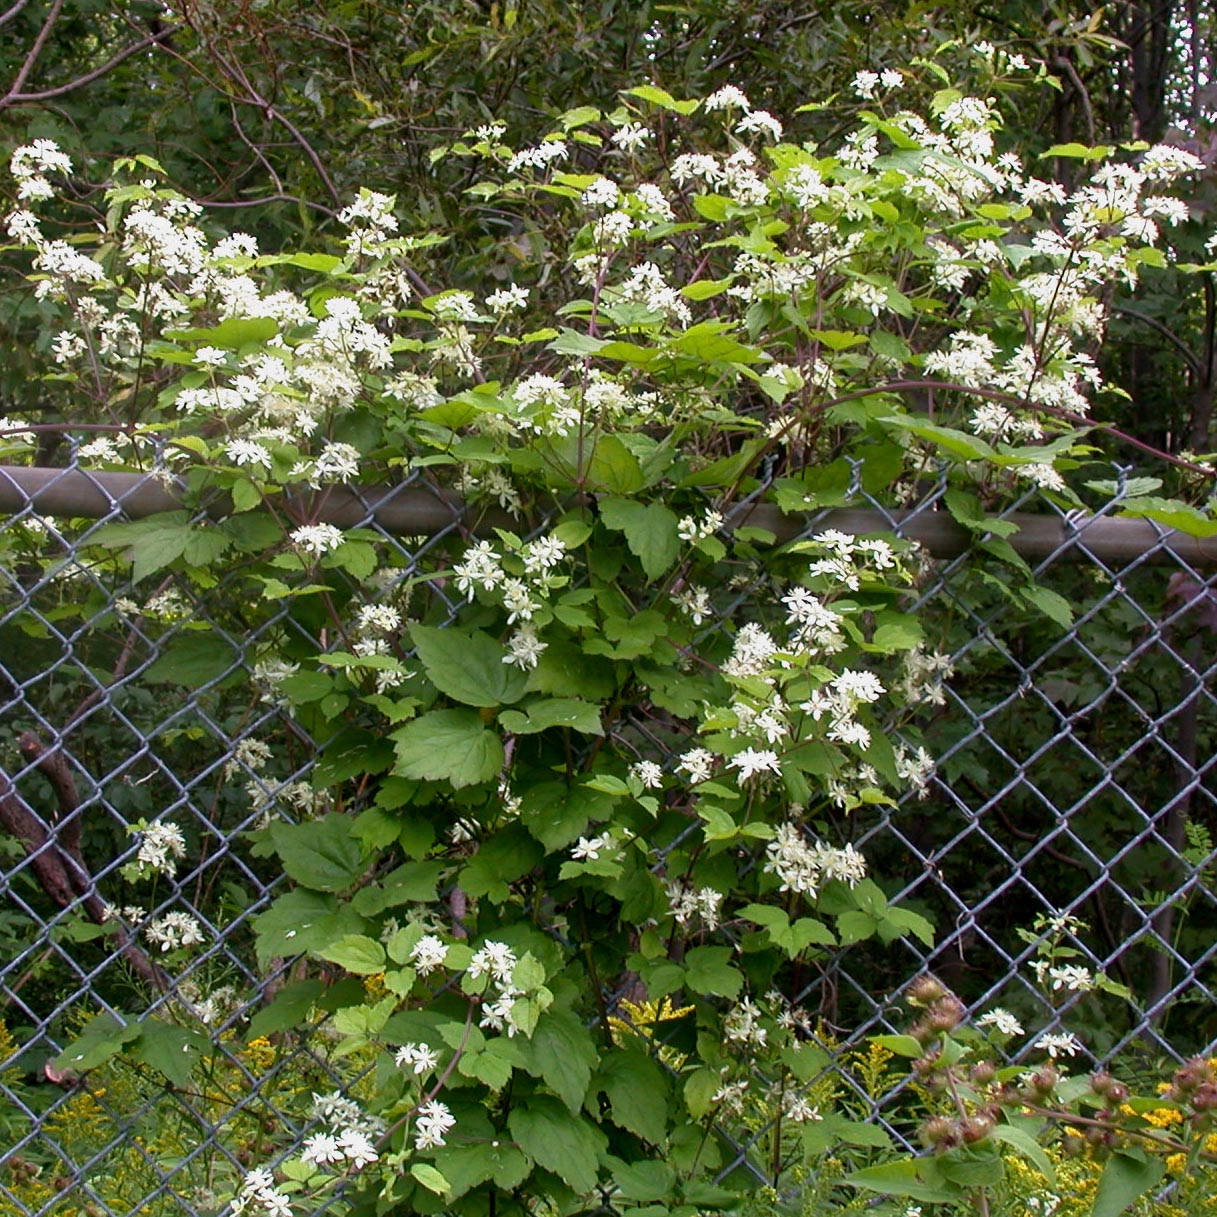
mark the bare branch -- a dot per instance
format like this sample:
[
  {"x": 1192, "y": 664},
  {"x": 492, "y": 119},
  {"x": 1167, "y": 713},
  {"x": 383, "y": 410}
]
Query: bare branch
[
  {"x": 88, "y": 78},
  {"x": 6, "y": 17},
  {"x": 32, "y": 58}
]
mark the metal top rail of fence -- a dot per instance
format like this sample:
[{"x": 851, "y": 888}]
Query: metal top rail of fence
[{"x": 1073, "y": 789}]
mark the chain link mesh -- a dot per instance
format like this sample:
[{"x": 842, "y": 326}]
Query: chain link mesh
[{"x": 1074, "y": 779}]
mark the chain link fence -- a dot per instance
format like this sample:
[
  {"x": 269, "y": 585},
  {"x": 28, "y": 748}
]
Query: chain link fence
[{"x": 1073, "y": 781}]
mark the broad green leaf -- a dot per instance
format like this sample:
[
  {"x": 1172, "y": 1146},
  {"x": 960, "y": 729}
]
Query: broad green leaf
[
  {"x": 430, "y": 1178},
  {"x": 193, "y": 659},
  {"x": 466, "y": 1166},
  {"x": 170, "y": 1049},
  {"x": 556, "y": 813},
  {"x": 1128, "y": 1175},
  {"x": 662, "y": 98},
  {"x": 319, "y": 854},
  {"x": 650, "y": 532},
  {"x": 708, "y": 971},
  {"x": 410, "y": 883},
  {"x": 448, "y": 745},
  {"x": 232, "y": 334},
  {"x": 302, "y": 921},
  {"x": 614, "y": 468},
  {"x": 1052, "y": 604},
  {"x": 289, "y": 1008},
  {"x": 644, "y": 1180},
  {"x": 637, "y": 1089},
  {"x": 959, "y": 444},
  {"x": 708, "y": 343},
  {"x": 102, "y": 1037},
  {"x": 504, "y": 858},
  {"x": 562, "y": 1053},
  {"x": 469, "y": 668},
  {"x": 357, "y": 953},
  {"x": 1171, "y": 513},
  {"x": 900, "y": 1179},
  {"x": 560, "y": 1142},
  {"x": 539, "y": 716},
  {"x": 1020, "y": 1140}
]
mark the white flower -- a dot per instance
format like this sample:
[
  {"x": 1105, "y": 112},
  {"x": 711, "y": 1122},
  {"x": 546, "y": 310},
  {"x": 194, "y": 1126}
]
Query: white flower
[
  {"x": 357, "y": 1147},
  {"x": 648, "y": 774},
  {"x": 752, "y": 761},
  {"x": 417, "y": 1057},
  {"x": 1058, "y": 1045},
  {"x": 432, "y": 1124},
  {"x": 507, "y": 300},
  {"x": 698, "y": 763},
  {"x": 1002, "y": 1021},
  {"x": 248, "y": 452},
  {"x": 161, "y": 843},
  {"x": 429, "y": 953},
  {"x": 321, "y": 1149},
  {"x": 761, "y": 121},
  {"x": 630, "y": 136},
  {"x": 1071, "y": 977},
  {"x": 495, "y": 959},
  {"x": 588, "y": 849},
  {"x": 726, "y": 98},
  {"x": 865, "y": 84},
  {"x": 317, "y": 539},
  {"x": 173, "y": 931},
  {"x": 524, "y": 649},
  {"x": 603, "y": 192}
]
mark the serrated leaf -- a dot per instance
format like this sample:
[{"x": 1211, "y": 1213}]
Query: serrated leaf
[
  {"x": 650, "y": 532},
  {"x": 561, "y": 1052},
  {"x": 171, "y": 1050},
  {"x": 662, "y": 98},
  {"x": 1128, "y": 1175},
  {"x": 448, "y": 745},
  {"x": 567, "y": 1145},
  {"x": 553, "y": 712},
  {"x": 708, "y": 971},
  {"x": 102, "y": 1037},
  {"x": 430, "y": 1178},
  {"x": 301, "y": 921},
  {"x": 469, "y": 668},
  {"x": 637, "y": 1090},
  {"x": 319, "y": 854},
  {"x": 357, "y": 953},
  {"x": 288, "y": 1008},
  {"x": 194, "y": 659}
]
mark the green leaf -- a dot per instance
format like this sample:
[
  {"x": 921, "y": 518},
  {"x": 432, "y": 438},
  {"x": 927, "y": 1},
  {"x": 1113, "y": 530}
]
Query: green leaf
[
  {"x": 1171, "y": 513},
  {"x": 410, "y": 883},
  {"x": 232, "y": 334},
  {"x": 900, "y": 1179},
  {"x": 540, "y": 715},
  {"x": 708, "y": 971},
  {"x": 194, "y": 659},
  {"x": 302, "y": 921},
  {"x": 102, "y": 1037},
  {"x": 288, "y": 1008},
  {"x": 567, "y": 1145},
  {"x": 448, "y": 745},
  {"x": 1053, "y": 605},
  {"x": 644, "y": 1180},
  {"x": 170, "y": 1049},
  {"x": 614, "y": 468},
  {"x": 637, "y": 1090},
  {"x": 430, "y": 1178},
  {"x": 469, "y": 668},
  {"x": 562, "y": 1053},
  {"x": 556, "y": 813},
  {"x": 466, "y": 1166},
  {"x": 319, "y": 854},
  {"x": 1020, "y": 1140},
  {"x": 662, "y": 98},
  {"x": 650, "y": 532},
  {"x": 357, "y": 953},
  {"x": 504, "y": 858},
  {"x": 708, "y": 343},
  {"x": 1128, "y": 1175}
]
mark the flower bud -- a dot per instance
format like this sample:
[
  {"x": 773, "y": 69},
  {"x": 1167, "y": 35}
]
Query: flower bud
[
  {"x": 939, "y": 1133},
  {"x": 925, "y": 990}
]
